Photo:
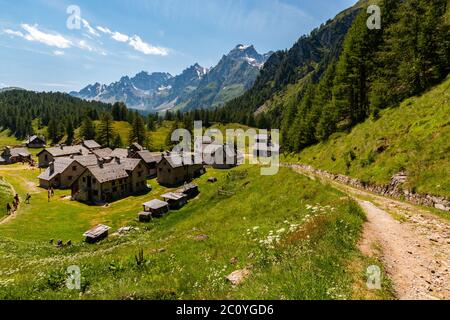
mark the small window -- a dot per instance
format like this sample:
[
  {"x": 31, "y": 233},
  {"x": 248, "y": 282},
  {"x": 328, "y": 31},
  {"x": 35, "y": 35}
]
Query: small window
[
  {"x": 74, "y": 168},
  {"x": 46, "y": 157},
  {"x": 84, "y": 179},
  {"x": 70, "y": 178}
]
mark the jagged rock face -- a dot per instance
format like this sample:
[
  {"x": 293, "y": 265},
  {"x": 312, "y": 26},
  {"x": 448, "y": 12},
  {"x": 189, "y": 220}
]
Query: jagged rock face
[{"x": 195, "y": 87}]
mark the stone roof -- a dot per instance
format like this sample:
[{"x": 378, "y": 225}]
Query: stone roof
[
  {"x": 137, "y": 146},
  {"x": 119, "y": 153},
  {"x": 91, "y": 144},
  {"x": 149, "y": 157},
  {"x": 32, "y": 138},
  {"x": 129, "y": 164},
  {"x": 108, "y": 172},
  {"x": 173, "y": 196},
  {"x": 96, "y": 231},
  {"x": 102, "y": 153},
  {"x": 66, "y": 151},
  {"x": 58, "y": 167},
  {"x": 177, "y": 160},
  {"x": 156, "y": 204},
  {"x": 86, "y": 160}
]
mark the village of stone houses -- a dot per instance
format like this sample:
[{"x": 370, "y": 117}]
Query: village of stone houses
[{"x": 148, "y": 153}]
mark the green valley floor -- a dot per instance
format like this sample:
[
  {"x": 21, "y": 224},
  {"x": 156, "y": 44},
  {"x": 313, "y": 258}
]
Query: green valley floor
[{"x": 293, "y": 237}]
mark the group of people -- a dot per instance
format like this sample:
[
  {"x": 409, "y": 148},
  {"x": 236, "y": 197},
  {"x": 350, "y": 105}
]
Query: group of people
[
  {"x": 12, "y": 208},
  {"x": 15, "y": 204}
]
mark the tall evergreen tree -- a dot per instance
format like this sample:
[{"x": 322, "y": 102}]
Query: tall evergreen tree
[
  {"x": 138, "y": 133},
  {"x": 87, "y": 130},
  {"x": 105, "y": 132}
]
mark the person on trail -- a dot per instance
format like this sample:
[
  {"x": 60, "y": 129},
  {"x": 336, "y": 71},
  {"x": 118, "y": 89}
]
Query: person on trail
[
  {"x": 49, "y": 194},
  {"x": 8, "y": 209},
  {"x": 53, "y": 191},
  {"x": 28, "y": 198},
  {"x": 16, "y": 198}
]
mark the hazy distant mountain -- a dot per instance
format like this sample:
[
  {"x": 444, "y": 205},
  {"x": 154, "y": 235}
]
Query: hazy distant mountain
[
  {"x": 195, "y": 87},
  {"x": 10, "y": 89}
]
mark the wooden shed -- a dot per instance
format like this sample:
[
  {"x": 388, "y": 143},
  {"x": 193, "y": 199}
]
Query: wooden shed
[
  {"x": 175, "y": 200},
  {"x": 154, "y": 208},
  {"x": 190, "y": 190},
  {"x": 97, "y": 233}
]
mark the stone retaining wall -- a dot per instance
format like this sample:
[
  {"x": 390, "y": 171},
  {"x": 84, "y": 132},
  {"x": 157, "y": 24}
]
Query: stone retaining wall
[{"x": 393, "y": 189}]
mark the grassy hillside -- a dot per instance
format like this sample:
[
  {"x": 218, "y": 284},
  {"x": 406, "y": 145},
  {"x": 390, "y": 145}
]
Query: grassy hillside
[
  {"x": 295, "y": 235},
  {"x": 414, "y": 137},
  {"x": 6, "y": 196}
]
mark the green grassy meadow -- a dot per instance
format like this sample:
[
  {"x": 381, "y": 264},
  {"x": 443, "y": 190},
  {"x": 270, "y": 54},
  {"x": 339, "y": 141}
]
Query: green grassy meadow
[
  {"x": 413, "y": 138},
  {"x": 296, "y": 236}
]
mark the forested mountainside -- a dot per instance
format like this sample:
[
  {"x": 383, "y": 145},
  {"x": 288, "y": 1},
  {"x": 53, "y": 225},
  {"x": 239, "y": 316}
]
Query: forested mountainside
[
  {"x": 18, "y": 109},
  {"x": 412, "y": 138},
  {"x": 375, "y": 69}
]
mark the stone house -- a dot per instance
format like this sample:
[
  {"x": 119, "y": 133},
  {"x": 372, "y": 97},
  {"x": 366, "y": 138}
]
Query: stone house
[
  {"x": 49, "y": 155},
  {"x": 175, "y": 170},
  {"x": 14, "y": 155},
  {"x": 35, "y": 142},
  {"x": 64, "y": 171},
  {"x": 150, "y": 159},
  {"x": 108, "y": 182}
]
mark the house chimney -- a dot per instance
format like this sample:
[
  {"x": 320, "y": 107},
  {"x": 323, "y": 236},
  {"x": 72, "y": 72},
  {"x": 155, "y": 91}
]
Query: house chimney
[
  {"x": 101, "y": 162},
  {"x": 118, "y": 160}
]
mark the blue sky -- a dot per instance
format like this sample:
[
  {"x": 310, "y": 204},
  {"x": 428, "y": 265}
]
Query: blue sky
[{"x": 122, "y": 37}]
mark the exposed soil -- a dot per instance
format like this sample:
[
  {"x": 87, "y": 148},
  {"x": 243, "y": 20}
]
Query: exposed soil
[{"x": 414, "y": 244}]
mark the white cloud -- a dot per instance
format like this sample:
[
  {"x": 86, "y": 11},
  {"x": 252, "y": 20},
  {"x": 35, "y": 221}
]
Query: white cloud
[
  {"x": 88, "y": 27},
  {"x": 104, "y": 30},
  {"x": 58, "y": 53},
  {"x": 146, "y": 48},
  {"x": 13, "y": 33},
  {"x": 84, "y": 45},
  {"x": 120, "y": 37},
  {"x": 50, "y": 39}
]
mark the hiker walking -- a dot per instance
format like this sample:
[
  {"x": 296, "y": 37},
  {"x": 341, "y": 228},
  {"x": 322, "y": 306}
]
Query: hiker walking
[
  {"x": 52, "y": 191},
  {"x": 28, "y": 198},
  {"x": 49, "y": 192},
  {"x": 16, "y": 198},
  {"x": 8, "y": 209}
]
